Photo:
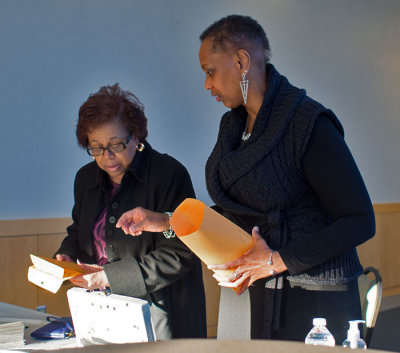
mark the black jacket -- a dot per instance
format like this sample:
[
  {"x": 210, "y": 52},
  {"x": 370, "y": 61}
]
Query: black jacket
[{"x": 163, "y": 271}]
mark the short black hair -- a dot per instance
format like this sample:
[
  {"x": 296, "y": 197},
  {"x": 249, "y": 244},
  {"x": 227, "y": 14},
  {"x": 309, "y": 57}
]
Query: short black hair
[{"x": 238, "y": 32}]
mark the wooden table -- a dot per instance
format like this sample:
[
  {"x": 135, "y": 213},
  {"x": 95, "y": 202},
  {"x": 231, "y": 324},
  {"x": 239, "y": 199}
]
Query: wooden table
[{"x": 208, "y": 346}]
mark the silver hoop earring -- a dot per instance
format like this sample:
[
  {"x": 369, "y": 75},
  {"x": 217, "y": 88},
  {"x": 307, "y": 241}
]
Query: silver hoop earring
[
  {"x": 140, "y": 147},
  {"x": 244, "y": 86}
]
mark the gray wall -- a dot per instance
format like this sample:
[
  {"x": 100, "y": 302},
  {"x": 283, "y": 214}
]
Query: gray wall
[{"x": 54, "y": 53}]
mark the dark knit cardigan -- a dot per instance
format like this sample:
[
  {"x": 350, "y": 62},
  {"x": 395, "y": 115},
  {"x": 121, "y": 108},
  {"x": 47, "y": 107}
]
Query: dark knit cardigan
[{"x": 261, "y": 181}]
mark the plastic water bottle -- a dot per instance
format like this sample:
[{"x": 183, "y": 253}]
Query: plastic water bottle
[
  {"x": 319, "y": 334},
  {"x": 353, "y": 340}
]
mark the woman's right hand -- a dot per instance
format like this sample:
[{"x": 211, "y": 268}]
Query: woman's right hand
[
  {"x": 251, "y": 266},
  {"x": 139, "y": 219},
  {"x": 63, "y": 257}
]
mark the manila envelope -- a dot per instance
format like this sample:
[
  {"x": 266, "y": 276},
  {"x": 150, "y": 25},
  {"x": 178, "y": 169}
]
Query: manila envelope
[{"x": 211, "y": 236}]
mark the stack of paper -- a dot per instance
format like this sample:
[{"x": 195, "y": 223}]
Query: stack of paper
[
  {"x": 14, "y": 323},
  {"x": 11, "y": 334}
]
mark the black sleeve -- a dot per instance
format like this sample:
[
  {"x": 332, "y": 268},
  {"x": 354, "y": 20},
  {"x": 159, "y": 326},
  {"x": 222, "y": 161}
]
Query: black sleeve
[
  {"x": 169, "y": 260},
  {"x": 334, "y": 176}
]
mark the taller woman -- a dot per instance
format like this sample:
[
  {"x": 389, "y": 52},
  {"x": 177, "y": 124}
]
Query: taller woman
[{"x": 281, "y": 164}]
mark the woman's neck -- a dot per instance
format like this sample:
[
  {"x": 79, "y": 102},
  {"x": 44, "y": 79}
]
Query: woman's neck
[{"x": 115, "y": 180}]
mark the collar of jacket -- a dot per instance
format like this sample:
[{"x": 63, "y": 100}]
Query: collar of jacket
[{"x": 139, "y": 169}]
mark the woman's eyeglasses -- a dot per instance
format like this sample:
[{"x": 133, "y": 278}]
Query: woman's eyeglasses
[{"x": 115, "y": 148}]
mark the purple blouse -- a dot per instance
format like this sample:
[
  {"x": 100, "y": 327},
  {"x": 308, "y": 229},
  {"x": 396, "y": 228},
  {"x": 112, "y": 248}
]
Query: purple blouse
[{"x": 99, "y": 233}]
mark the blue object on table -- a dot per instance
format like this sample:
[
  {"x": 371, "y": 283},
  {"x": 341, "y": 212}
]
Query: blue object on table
[{"x": 59, "y": 327}]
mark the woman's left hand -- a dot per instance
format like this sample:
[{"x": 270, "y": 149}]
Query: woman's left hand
[
  {"x": 95, "y": 279},
  {"x": 251, "y": 266}
]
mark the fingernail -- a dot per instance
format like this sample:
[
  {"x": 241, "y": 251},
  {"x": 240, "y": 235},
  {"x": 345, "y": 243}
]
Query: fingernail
[{"x": 210, "y": 267}]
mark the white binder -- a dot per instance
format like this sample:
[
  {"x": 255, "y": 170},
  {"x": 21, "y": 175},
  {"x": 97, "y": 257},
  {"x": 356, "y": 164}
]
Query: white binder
[{"x": 101, "y": 318}]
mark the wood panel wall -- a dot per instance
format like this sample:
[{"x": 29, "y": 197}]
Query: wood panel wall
[
  {"x": 383, "y": 250},
  {"x": 19, "y": 238}
]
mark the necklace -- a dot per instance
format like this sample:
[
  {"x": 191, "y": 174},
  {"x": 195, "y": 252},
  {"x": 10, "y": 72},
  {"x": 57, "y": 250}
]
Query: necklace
[{"x": 246, "y": 135}]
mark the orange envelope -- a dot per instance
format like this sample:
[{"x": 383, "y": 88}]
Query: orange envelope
[{"x": 211, "y": 236}]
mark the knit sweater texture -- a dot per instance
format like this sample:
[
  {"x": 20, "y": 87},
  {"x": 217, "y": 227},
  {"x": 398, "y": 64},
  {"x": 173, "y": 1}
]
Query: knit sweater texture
[{"x": 261, "y": 182}]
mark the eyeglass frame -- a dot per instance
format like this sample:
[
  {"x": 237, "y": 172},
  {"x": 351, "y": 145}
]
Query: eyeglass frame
[{"x": 89, "y": 149}]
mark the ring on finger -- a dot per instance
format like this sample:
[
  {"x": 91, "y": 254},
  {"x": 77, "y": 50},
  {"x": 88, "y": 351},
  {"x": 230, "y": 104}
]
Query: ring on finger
[{"x": 236, "y": 276}]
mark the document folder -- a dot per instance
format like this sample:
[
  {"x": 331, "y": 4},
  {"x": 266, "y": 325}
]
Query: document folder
[{"x": 102, "y": 318}]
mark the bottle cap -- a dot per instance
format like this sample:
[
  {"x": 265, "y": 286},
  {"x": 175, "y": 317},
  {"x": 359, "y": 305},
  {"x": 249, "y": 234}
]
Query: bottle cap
[
  {"x": 319, "y": 321},
  {"x": 353, "y": 333}
]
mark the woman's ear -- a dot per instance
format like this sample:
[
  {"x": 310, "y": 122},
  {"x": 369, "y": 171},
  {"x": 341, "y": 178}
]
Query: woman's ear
[{"x": 243, "y": 60}]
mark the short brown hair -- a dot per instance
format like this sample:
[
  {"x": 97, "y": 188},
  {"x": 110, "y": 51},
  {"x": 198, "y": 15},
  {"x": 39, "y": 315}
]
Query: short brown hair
[{"x": 111, "y": 103}]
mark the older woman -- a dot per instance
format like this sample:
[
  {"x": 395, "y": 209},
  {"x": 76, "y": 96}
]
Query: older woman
[
  {"x": 127, "y": 172},
  {"x": 282, "y": 171}
]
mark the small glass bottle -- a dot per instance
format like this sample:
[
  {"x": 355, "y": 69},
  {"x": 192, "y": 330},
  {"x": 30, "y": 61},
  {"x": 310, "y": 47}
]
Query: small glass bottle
[
  {"x": 319, "y": 334},
  {"x": 353, "y": 340}
]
